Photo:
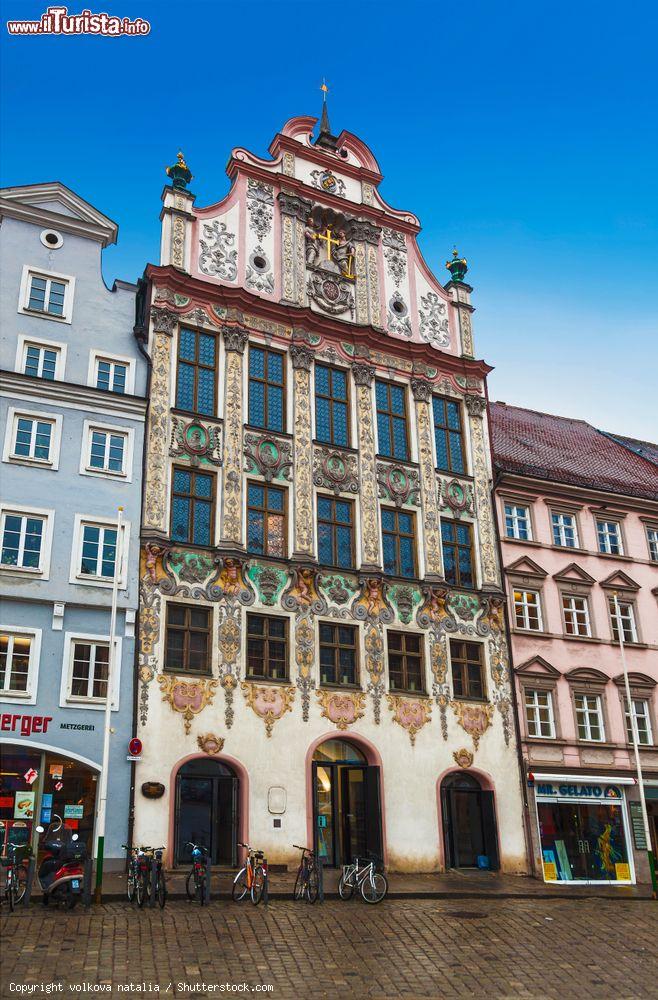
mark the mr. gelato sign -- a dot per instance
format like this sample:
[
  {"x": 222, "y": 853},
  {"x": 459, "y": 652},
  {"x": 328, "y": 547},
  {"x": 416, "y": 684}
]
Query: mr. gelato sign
[{"x": 579, "y": 791}]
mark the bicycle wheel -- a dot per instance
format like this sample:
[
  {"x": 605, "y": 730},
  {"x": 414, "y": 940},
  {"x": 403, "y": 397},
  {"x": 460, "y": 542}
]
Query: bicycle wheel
[
  {"x": 374, "y": 887},
  {"x": 312, "y": 884},
  {"x": 190, "y": 885},
  {"x": 258, "y": 885},
  {"x": 201, "y": 888},
  {"x": 346, "y": 886},
  {"x": 141, "y": 890},
  {"x": 9, "y": 893},
  {"x": 240, "y": 887},
  {"x": 130, "y": 888},
  {"x": 300, "y": 884},
  {"x": 20, "y": 883},
  {"x": 161, "y": 892}
]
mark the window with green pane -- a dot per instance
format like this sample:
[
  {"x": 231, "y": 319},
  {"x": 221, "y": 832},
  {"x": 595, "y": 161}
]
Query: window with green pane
[
  {"x": 196, "y": 372},
  {"x": 448, "y": 435},
  {"x": 267, "y": 647},
  {"x": 331, "y": 406},
  {"x": 266, "y": 520},
  {"x": 392, "y": 438},
  {"x": 457, "y": 543},
  {"x": 398, "y": 536},
  {"x": 192, "y": 507},
  {"x": 267, "y": 383},
  {"x": 335, "y": 532},
  {"x": 338, "y": 654},
  {"x": 188, "y": 639}
]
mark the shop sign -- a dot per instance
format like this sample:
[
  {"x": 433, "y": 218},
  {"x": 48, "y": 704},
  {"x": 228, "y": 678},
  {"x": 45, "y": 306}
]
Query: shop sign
[
  {"x": 637, "y": 822},
  {"x": 73, "y": 811},
  {"x": 623, "y": 872},
  {"x": 25, "y": 725},
  {"x": 580, "y": 791},
  {"x": 550, "y": 871}
]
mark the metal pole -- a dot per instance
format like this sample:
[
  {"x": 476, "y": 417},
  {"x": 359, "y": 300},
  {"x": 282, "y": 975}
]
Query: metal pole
[
  {"x": 102, "y": 791},
  {"x": 636, "y": 748},
  {"x": 206, "y": 883}
]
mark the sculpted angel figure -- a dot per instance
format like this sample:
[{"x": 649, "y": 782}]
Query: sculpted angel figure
[{"x": 312, "y": 248}]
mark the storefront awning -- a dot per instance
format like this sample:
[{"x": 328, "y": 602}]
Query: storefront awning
[{"x": 584, "y": 779}]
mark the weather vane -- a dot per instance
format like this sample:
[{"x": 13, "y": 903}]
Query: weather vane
[{"x": 325, "y": 89}]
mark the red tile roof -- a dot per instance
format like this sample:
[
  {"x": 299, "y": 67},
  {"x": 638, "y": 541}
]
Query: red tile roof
[
  {"x": 545, "y": 446},
  {"x": 644, "y": 448}
]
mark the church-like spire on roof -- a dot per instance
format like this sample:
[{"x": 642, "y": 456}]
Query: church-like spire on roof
[{"x": 325, "y": 138}]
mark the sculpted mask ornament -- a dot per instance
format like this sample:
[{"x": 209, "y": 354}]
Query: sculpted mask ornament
[
  {"x": 269, "y": 703},
  {"x": 410, "y": 713},
  {"x": 187, "y": 697},
  {"x": 210, "y": 743},
  {"x": 371, "y": 604},
  {"x": 163, "y": 320},
  {"x": 343, "y": 709}
]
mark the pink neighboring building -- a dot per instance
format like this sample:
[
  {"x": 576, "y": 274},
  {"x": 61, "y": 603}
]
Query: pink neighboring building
[{"x": 578, "y": 518}]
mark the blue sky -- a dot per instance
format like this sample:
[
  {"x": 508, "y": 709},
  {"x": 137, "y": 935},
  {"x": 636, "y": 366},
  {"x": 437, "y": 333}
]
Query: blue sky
[{"x": 524, "y": 133}]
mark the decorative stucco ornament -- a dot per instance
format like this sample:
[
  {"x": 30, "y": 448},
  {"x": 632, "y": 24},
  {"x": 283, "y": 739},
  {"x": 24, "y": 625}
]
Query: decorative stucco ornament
[
  {"x": 335, "y": 470},
  {"x": 474, "y": 719},
  {"x": 457, "y": 266},
  {"x": 458, "y": 497},
  {"x": 268, "y": 456},
  {"x": 433, "y": 325},
  {"x": 189, "y": 698},
  {"x": 410, "y": 713},
  {"x": 218, "y": 257},
  {"x": 399, "y": 484},
  {"x": 342, "y": 708},
  {"x": 179, "y": 172},
  {"x": 463, "y": 757},
  {"x": 269, "y": 703},
  {"x": 194, "y": 440},
  {"x": 327, "y": 181},
  {"x": 210, "y": 743}
]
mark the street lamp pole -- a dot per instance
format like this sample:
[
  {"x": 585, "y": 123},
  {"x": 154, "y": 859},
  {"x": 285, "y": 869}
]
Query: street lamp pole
[
  {"x": 102, "y": 793},
  {"x": 636, "y": 748}
]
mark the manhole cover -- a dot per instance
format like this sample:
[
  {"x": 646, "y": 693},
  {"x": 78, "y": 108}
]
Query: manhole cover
[{"x": 466, "y": 915}]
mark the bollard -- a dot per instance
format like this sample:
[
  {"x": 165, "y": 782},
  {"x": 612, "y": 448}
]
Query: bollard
[
  {"x": 206, "y": 883},
  {"x": 31, "y": 868},
  {"x": 320, "y": 864},
  {"x": 154, "y": 880},
  {"x": 86, "y": 882}
]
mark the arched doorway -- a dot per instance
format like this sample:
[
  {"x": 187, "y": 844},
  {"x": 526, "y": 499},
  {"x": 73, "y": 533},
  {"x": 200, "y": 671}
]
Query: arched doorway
[
  {"x": 347, "y": 819},
  {"x": 469, "y": 823},
  {"x": 207, "y": 810}
]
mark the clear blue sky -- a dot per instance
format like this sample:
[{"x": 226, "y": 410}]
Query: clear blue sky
[{"x": 525, "y": 133}]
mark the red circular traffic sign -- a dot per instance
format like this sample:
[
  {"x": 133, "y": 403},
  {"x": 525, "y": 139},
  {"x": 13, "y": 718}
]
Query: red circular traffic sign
[{"x": 135, "y": 747}]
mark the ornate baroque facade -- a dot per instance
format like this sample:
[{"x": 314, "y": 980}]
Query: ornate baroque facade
[{"x": 318, "y": 549}]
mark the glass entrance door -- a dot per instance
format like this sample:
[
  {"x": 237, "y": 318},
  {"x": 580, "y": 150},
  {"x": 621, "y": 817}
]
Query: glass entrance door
[
  {"x": 206, "y": 811},
  {"x": 347, "y": 813}
]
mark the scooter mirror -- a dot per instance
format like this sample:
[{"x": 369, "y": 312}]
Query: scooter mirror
[
  {"x": 74, "y": 837},
  {"x": 40, "y": 829}
]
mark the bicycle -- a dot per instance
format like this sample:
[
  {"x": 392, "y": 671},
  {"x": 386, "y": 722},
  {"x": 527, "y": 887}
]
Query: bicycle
[
  {"x": 251, "y": 878},
  {"x": 195, "y": 883},
  {"x": 132, "y": 874},
  {"x": 145, "y": 856},
  {"x": 307, "y": 883},
  {"x": 372, "y": 883},
  {"x": 16, "y": 882}
]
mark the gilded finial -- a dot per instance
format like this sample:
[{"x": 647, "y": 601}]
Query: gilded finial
[
  {"x": 179, "y": 172},
  {"x": 457, "y": 266}
]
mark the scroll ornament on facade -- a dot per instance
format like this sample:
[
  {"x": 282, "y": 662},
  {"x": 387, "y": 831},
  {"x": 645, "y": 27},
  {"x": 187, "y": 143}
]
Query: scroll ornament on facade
[
  {"x": 200, "y": 443},
  {"x": 474, "y": 719},
  {"x": 463, "y": 758},
  {"x": 342, "y": 708},
  {"x": 210, "y": 744},
  {"x": 189, "y": 698},
  {"x": 410, "y": 713},
  {"x": 217, "y": 257},
  {"x": 269, "y": 703},
  {"x": 335, "y": 470},
  {"x": 268, "y": 456}
]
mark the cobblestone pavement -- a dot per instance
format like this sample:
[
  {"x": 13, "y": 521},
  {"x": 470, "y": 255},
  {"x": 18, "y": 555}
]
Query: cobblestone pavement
[{"x": 401, "y": 948}]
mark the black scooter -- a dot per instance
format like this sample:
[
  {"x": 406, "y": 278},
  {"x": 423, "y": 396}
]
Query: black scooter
[{"x": 61, "y": 873}]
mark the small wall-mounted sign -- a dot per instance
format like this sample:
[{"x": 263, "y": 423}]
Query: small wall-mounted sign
[{"x": 153, "y": 789}]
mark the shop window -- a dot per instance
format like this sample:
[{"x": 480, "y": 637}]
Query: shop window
[
  {"x": 467, "y": 670},
  {"x": 392, "y": 437},
  {"x": 539, "y": 713},
  {"x": 565, "y": 530},
  {"x": 267, "y": 647},
  {"x": 192, "y": 507},
  {"x": 448, "y": 435},
  {"x": 589, "y": 717},
  {"x": 576, "y": 615},
  {"x": 399, "y": 546},
  {"x": 188, "y": 639},
  {"x": 267, "y": 387},
  {"x": 338, "y": 654},
  {"x": 625, "y": 617},
  {"x": 517, "y": 522},
  {"x": 608, "y": 534},
  {"x": 405, "y": 662},
  {"x": 527, "y": 610},
  {"x": 457, "y": 545},
  {"x": 331, "y": 406},
  {"x": 335, "y": 532},
  {"x": 196, "y": 372},
  {"x": 584, "y": 841},
  {"x": 642, "y": 721},
  {"x": 266, "y": 520}
]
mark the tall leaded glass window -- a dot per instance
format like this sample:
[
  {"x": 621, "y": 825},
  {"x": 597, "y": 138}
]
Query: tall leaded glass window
[
  {"x": 391, "y": 420},
  {"x": 399, "y": 545},
  {"x": 448, "y": 435},
  {"x": 267, "y": 383},
  {"x": 331, "y": 406},
  {"x": 192, "y": 505},
  {"x": 457, "y": 544},
  {"x": 196, "y": 372},
  {"x": 335, "y": 532},
  {"x": 266, "y": 520}
]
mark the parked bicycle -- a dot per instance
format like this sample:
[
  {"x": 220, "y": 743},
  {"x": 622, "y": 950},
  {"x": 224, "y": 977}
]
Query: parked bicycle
[
  {"x": 195, "y": 883},
  {"x": 132, "y": 874},
  {"x": 372, "y": 883},
  {"x": 145, "y": 856},
  {"x": 16, "y": 879},
  {"x": 307, "y": 883},
  {"x": 252, "y": 877}
]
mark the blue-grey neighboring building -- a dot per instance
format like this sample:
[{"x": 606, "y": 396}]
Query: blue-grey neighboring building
[{"x": 72, "y": 412}]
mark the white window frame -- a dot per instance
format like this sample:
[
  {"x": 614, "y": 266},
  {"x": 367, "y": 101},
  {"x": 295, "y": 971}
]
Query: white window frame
[
  {"x": 24, "y": 341},
  {"x": 589, "y": 710},
  {"x": 574, "y": 612},
  {"x": 83, "y": 579},
  {"x": 607, "y": 536},
  {"x": 29, "y": 696},
  {"x": 126, "y": 475},
  {"x": 66, "y": 700},
  {"x": 646, "y": 715},
  {"x": 515, "y": 518},
  {"x": 524, "y": 605},
  {"x": 561, "y": 529},
  {"x": 121, "y": 359},
  {"x": 30, "y": 271},
  {"x": 531, "y": 702},
  {"x": 625, "y": 602},
  {"x": 652, "y": 543},
  {"x": 14, "y": 413},
  {"x": 48, "y": 516}
]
